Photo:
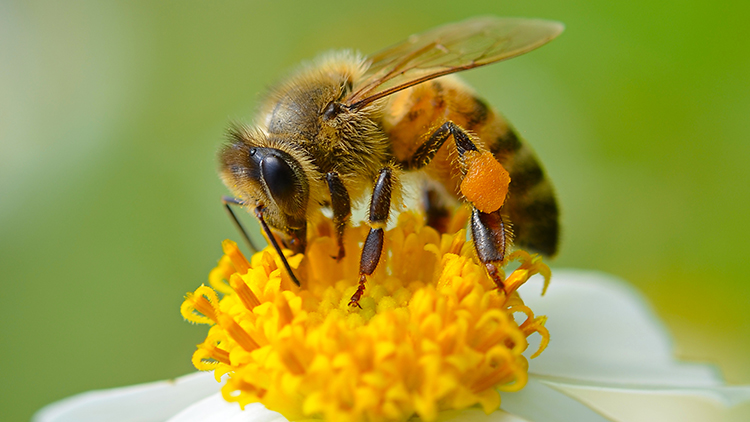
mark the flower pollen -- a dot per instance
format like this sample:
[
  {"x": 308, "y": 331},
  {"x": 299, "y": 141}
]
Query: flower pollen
[{"x": 433, "y": 333}]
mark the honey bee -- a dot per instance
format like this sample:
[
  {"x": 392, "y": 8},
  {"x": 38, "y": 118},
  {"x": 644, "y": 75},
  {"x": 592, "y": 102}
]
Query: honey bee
[{"x": 346, "y": 128}]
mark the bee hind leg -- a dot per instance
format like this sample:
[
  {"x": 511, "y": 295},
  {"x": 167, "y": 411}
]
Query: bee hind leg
[
  {"x": 492, "y": 236},
  {"x": 491, "y": 231},
  {"x": 426, "y": 152},
  {"x": 380, "y": 207}
]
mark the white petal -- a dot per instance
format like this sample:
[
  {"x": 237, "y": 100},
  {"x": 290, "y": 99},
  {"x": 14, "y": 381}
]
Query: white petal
[
  {"x": 539, "y": 403},
  {"x": 677, "y": 404},
  {"x": 155, "y": 401},
  {"x": 602, "y": 330},
  {"x": 215, "y": 409},
  {"x": 476, "y": 415}
]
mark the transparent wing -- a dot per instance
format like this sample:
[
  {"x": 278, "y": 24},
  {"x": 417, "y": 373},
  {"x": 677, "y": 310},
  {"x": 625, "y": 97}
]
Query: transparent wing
[{"x": 448, "y": 49}]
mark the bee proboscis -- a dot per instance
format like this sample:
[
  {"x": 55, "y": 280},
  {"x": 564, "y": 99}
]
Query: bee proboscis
[{"x": 347, "y": 127}]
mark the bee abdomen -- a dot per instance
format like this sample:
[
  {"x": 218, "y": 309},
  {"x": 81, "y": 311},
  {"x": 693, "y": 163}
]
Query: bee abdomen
[
  {"x": 416, "y": 113},
  {"x": 531, "y": 203},
  {"x": 505, "y": 144},
  {"x": 535, "y": 218},
  {"x": 478, "y": 115}
]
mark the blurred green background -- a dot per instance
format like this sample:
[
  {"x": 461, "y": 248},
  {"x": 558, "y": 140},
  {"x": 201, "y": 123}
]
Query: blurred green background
[{"x": 111, "y": 114}]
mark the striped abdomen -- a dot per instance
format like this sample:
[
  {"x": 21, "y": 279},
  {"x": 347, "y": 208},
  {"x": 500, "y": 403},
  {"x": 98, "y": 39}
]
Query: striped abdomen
[{"x": 412, "y": 115}]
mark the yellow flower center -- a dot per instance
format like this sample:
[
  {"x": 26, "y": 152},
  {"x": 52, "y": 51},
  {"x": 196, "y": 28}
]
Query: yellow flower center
[{"x": 433, "y": 332}]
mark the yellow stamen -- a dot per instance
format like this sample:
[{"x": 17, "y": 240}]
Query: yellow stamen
[
  {"x": 237, "y": 333},
  {"x": 434, "y": 333},
  {"x": 200, "y": 307},
  {"x": 246, "y": 295},
  {"x": 209, "y": 354},
  {"x": 235, "y": 255}
]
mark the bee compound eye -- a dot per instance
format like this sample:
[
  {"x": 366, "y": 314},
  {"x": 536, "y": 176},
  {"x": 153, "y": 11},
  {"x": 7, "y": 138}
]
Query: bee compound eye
[{"x": 280, "y": 179}]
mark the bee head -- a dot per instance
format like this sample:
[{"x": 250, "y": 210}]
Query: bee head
[{"x": 266, "y": 173}]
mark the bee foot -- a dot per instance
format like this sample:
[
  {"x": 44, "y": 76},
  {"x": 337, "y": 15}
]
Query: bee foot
[
  {"x": 354, "y": 301},
  {"x": 496, "y": 276},
  {"x": 340, "y": 256}
]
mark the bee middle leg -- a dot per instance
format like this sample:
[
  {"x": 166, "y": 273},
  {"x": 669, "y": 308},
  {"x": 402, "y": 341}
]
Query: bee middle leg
[
  {"x": 491, "y": 231},
  {"x": 380, "y": 208},
  {"x": 437, "y": 208}
]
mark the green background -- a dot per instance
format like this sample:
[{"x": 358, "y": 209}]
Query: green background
[{"x": 111, "y": 114}]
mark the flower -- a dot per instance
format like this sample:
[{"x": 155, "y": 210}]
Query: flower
[
  {"x": 446, "y": 340},
  {"x": 433, "y": 332}
]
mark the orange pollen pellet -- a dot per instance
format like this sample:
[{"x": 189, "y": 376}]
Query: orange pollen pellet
[{"x": 486, "y": 182}]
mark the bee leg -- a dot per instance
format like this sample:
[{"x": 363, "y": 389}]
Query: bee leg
[
  {"x": 492, "y": 237},
  {"x": 491, "y": 232},
  {"x": 380, "y": 207},
  {"x": 426, "y": 152},
  {"x": 228, "y": 201},
  {"x": 342, "y": 208},
  {"x": 295, "y": 239},
  {"x": 274, "y": 243},
  {"x": 437, "y": 213}
]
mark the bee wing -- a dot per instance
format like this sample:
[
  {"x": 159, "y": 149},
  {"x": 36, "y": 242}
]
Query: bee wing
[{"x": 448, "y": 49}]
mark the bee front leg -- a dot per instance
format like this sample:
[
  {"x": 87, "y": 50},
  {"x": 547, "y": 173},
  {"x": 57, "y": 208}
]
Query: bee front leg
[
  {"x": 228, "y": 201},
  {"x": 342, "y": 208},
  {"x": 380, "y": 208},
  {"x": 269, "y": 234}
]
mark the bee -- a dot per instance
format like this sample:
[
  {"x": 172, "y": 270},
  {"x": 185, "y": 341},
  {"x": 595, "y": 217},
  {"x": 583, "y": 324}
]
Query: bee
[{"x": 346, "y": 129}]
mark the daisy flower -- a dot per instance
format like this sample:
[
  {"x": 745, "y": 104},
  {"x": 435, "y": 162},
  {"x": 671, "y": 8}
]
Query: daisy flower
[{"x": 434, "y": 340}]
